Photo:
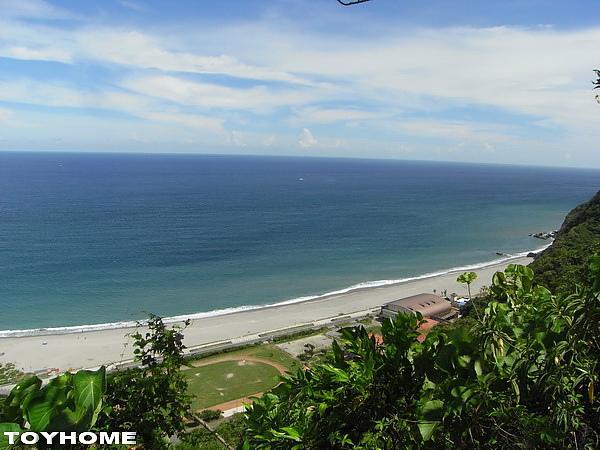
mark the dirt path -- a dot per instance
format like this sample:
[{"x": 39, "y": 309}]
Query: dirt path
[{"x": 235, "y": 403}]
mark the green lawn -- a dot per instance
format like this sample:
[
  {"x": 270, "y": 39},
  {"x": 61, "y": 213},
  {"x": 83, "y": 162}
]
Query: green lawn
[
  {"x": 266, "y": 351},
  {"x": 228, "y": 380},
  {"x": 273, "y": 353}
]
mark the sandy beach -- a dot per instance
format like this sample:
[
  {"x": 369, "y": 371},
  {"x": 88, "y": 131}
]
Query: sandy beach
[{"x": 94, "y": 348}]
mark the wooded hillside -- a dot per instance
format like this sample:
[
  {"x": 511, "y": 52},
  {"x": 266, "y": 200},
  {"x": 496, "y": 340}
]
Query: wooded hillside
[{"x": 564, "y": 264}]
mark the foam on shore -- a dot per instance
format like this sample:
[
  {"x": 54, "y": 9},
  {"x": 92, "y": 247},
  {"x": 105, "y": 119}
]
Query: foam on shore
[
  {"x": 220, "y": 312},
  {"x": 96, "y": 347}
]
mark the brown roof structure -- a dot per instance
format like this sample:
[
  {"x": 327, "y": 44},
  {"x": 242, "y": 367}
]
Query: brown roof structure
[
  {"x": 428, "y": 305},
  {"x": 425, "y": 327}
]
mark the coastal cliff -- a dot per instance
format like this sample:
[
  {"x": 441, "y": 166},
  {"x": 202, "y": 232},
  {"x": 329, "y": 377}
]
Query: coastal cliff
[{"x": 565, "y": 262}]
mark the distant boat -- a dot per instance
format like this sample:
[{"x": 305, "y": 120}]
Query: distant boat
[{"x": 300, "y": 179}]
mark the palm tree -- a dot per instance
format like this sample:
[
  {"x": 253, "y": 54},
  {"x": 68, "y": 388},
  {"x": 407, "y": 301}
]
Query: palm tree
[{"x": 469, "y": 277}]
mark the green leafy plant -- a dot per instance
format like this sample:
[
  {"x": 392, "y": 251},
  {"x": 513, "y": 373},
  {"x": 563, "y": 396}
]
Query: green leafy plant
[
  {"x": 10, "y": 374},
  {"x": 564, "y": 264},
  {"x": 339, "y": 404},
  {"x": 69, "y": 402},
  {"x": 468, "y": 278},
  {"x": 152, "y": 399},
  {"x": 523, "y": 376},
  {"x": 210, "y": 414}
]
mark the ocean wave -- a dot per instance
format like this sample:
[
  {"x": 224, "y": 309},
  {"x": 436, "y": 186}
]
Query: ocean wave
[{"x": 220, "y": 312}]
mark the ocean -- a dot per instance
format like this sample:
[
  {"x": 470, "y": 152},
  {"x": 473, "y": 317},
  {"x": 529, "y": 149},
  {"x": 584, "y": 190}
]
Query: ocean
[{"x": 106, "y": 238}]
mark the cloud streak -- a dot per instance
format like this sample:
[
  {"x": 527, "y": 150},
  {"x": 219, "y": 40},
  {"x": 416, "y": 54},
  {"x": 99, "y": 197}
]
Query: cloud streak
[{"x": 255, "y": 78}]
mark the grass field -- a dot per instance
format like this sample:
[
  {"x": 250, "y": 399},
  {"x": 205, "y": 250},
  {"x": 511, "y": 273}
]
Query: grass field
[
  {"x": 228, "y": 380},
  {"x": 272, "y": 353},
  {"x": 264, "y": 351},
  {"x": 222, "y": 381}
]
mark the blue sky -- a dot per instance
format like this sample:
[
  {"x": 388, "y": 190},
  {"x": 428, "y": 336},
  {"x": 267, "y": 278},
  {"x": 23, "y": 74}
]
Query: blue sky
[{"x": 500, "y": 81}]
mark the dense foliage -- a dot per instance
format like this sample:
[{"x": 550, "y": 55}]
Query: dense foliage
[
  {"x": 69, "y": 402},
  {"x": 524, "y": 376},
  {"x": 201, "y": 438},
  {"x": 10, "y": 374},
  {"x": 563, "y": 265},
  {"x": 152, "y": 399}
]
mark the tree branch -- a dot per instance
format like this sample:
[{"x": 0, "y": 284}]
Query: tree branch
[
  {"x": 213, "y": 432},
  {"x": 355, "y": 2}
]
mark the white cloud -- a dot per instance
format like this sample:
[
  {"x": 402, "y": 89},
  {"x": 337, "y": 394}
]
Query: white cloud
[
  {"x": 269, "y": 141},
  {"x": 34, "y": 41},
  {"x": 454, "y": 130},
  {"x": 40, "y": 54},
  {"x": 210, "y": 124},
  {"x": 537, "y": 71},
  {"x": 34, "y": 9},
  {"x": 6, "y": 118},
  {"x": 136, "y": 6},
  {"x": 112, "y": 99},
  {"x": 307, "y": 139},
  {"x": 135, "y": 137},
  {"x": 55, "y": 93},
  {"x": 143, "y": 51},
  {"x": 234, "y": 138},
  {"x": 49, "y": 94},
  {"x": 489, "y": 148},
  {"x": 208, "y": 95},
  {"x": 134, "y": 49},
  {"x": 324, "y": 115},
  {"x": 488, "y": 88},
  {"x": 525, "y": 71},
  {"x": 40, "y": 93}
]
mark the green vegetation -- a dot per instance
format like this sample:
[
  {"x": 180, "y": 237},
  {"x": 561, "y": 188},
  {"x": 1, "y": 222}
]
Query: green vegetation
[
  {"x": 523, "y": 373},
  {"x": 9, "y": 374},
  {"x": 273, "y": 353},
  {"x": 228, "y": 380},
  {"x": 200, "y": 438},
  {"x": 151, "y": 399},
  {"x": 524, "y": 376},
  {"x": 467, "y": 278},
  {"x": 259, "y": 345},
  {"x": 299, "y": 334},
  {"x": 563, "y": 265},
  {"x": 210, "y": 414},
  {"x": 70, "y": 402},
  {"x": 210, "y": 384}
]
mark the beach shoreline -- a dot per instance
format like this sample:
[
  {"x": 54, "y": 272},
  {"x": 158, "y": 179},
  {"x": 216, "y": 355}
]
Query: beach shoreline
[
  {"x": 91, "y": 348},
  {"x": 207, "y": 314}
]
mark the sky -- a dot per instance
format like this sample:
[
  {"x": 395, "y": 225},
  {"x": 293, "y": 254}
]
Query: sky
[{"x": 497, "y": 81}]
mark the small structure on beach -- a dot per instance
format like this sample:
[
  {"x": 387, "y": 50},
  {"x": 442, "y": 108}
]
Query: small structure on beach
[{"x": 429, "y": 305}]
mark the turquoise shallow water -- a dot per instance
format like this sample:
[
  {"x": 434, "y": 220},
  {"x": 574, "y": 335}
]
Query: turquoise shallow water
[{"x": 105, "y": 238}]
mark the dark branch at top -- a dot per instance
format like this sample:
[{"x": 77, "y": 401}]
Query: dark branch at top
[{"x": 352, "y": 2}]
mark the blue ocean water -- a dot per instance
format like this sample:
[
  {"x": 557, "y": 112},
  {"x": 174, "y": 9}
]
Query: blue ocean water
[{"x": 105, "y": 238}]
